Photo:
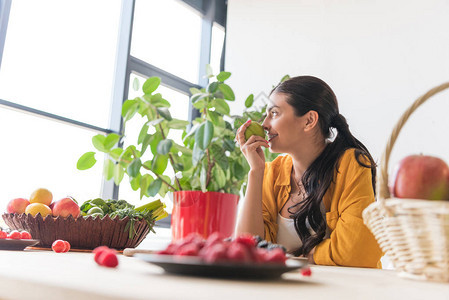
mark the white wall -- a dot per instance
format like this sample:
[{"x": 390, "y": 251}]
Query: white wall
[{"x": 378, "y": 56}]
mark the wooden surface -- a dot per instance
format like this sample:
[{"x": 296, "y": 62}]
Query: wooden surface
[{"x": 34, "y": 274}]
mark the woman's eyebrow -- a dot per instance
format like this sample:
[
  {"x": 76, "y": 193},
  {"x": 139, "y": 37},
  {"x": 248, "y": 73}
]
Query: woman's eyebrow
[{"x": 271, "y": 107}]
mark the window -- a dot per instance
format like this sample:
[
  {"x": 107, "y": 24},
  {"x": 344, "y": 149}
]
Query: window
[
  {"x": 65, "y": 69},
  {"x": 167, "y": 34},
  {"x": 38, "y": 152},
  {"x": 55, "y": 63}
]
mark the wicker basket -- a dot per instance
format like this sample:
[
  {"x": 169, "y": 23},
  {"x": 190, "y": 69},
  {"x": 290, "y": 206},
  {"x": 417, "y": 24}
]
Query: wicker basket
[
  {"x": 81, "y": 233},
  {"x": 413, "y": 233}
]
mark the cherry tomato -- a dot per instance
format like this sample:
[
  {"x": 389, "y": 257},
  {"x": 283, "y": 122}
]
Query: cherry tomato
[
  {"x": 25, "y": 235},
  {"x": 3, "y": 235},
  {"x": 58, "y": 246},
  {"x": 14, "y": 235},
  {"x": 67, "y": 246}
]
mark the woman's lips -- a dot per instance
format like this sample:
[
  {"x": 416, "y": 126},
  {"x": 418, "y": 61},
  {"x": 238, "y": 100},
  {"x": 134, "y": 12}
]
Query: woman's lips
[{"x": 270, "y": 137}]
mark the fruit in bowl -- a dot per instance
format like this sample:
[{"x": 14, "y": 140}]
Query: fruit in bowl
[
  {"x": 65, "y": 207},
  {"x": 17, "y": 206},
  {"x": 421, "y": 177}
]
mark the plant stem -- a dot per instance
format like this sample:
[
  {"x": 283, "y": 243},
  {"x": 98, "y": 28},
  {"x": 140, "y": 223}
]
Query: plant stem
[
  {"x": 210, "y": 165},
  {"x": 162, "y": 179}
]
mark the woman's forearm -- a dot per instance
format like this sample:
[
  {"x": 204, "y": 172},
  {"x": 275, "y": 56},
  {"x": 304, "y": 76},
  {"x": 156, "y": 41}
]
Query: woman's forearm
[{"x": 250, "y": 218}]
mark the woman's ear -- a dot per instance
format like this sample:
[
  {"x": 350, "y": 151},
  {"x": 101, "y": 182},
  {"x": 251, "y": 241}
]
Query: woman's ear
[{"x": 311, "y": 120}]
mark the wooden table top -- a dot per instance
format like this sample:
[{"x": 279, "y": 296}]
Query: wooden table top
[{"x": 41, "y": 274}]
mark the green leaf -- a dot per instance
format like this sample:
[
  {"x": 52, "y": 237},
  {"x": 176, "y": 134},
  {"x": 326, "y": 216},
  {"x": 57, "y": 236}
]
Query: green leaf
[
  {"x": 108, "y": 169},
  {"x": 165, "y": 113},
  {"x": 249, "y": 101},
  {"x": 219, "y": 156},
  {"x": 134, "y": 167},
  {"x": 200, "y": 104},
  {"x": 151, "y": 84},
  {"x": 238, "y": 171},
  {"x": 213, "y": 117},
  {"x": 219, "y": 177},
  {"x": 197, "y": 155},
  {"x": 154, "y": 141},
  {"x": 286, "y": 77},
  {"x": 223, "y": 76},
  {"x": 159, "y": 164},
  {"x": 110, "y": 140},
  {"x": 98, "y": 142},
  {"x": 115, "y": 153},
  {"x": 204, "y": 135},
  {"x": 197, "y": 97},
  {"x": 164, "y": 146},
  {"x": 212, "y": 87},
  {"x": 154, "y": 187},
  {"x": 118, "y": 174},
  {"x": 209, "y": 71},
  {"x": 177, "y": 124},
  {"x": 158, "y": 101},
  {"x": 144, "y": 184},
  {"x": 86, "y": 161},
  {"x": 135, "y": 182},
  {"x": 129, "y": 109},
  {"x": 156, "y": 121},
  {"x": 194, "y": 91},
  {"x": 228, "y": 145},
  {"x": 142, "y": 134},
  {"x": 136, "y": 84},
  {"x": 146, "y": 141},
  {"x": 227, "y": 91},
  {"x": 221, "y": 106}
]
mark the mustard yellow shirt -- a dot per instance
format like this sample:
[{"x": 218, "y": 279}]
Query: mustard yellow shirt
[{"x": 351, "y": 243}]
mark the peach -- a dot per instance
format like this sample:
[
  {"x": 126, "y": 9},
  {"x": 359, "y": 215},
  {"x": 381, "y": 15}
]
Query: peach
[
  {"x": 65, "y": 207},
  {"x": 17, "y": 206}
]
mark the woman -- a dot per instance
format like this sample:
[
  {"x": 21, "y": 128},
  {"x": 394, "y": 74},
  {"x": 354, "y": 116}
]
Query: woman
[{"x": 311, "y": 199}]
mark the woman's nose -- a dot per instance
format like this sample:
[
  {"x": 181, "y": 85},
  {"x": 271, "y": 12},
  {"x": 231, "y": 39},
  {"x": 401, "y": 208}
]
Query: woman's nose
[{"x": 265, "y": 124}]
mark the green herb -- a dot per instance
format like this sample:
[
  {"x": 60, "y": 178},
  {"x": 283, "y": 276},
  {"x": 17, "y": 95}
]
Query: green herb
[{"x": 150, "y": 212}]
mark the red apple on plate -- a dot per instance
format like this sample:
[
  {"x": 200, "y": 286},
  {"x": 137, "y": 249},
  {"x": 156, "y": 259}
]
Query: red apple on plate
[
  {"x": 65, "y": 207},
  {"x": 421, "y": 177},
  {"x": 17, "y": 206}
]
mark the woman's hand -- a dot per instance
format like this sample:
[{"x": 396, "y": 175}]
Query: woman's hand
[{"x": 251, "y": 148}]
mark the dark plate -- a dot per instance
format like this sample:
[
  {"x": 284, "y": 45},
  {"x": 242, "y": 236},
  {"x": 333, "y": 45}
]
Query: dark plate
[
  {"x": 10, "y": 244},
  {"x": 194, "y": 266}
]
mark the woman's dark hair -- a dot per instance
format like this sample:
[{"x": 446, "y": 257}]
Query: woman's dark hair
[{"x": 306, "y": 93}]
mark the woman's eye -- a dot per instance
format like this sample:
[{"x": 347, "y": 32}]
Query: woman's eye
[{"x": 274, "y": 113}]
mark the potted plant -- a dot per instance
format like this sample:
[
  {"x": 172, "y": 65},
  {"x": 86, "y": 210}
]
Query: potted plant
[{"x": 208, "y": 169}]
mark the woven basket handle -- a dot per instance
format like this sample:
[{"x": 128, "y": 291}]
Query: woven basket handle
[{"x": 382, "y": 182}]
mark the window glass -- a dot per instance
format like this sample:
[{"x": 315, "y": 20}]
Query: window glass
[
  {"x": 167, "y": 34},
  {"x": 59, "y": 57},
  {"x": 218, "y": 36},
  {"x": 179, "y": 109},
  {"x": 37, "y": 152}
]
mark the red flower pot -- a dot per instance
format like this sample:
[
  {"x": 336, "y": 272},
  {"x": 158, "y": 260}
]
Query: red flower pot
[{"x": 203, "y": 213}]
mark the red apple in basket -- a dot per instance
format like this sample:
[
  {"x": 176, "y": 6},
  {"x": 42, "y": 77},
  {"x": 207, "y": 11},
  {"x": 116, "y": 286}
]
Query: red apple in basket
[
  {"x": 421, "y": 177},
  {"x": 17, "y": 206},
  {"x": 65, "y": 207}
]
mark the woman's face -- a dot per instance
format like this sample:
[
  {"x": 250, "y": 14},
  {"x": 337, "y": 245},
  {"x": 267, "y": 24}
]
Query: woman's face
[{"x": 285, "y": 129}]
